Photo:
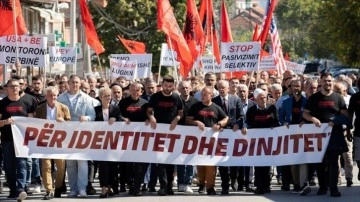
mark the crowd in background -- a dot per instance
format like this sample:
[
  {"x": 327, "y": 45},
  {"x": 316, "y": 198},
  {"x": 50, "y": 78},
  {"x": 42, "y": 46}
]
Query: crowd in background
[{"x": 233, "y": 103}]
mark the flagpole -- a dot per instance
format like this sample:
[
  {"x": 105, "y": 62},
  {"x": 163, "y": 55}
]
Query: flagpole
[
  {"x": 173, "y": 60},
  {"x": 16, "y": 32},
  {"x": 158, "y": 79},
  {"x": 101, "y": 69}
]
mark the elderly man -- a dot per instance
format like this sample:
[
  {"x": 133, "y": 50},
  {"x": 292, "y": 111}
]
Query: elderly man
[
  {"x": 185, "y": 172},
  {"x": 81, "y": 109},
  {"x": 52, "y": 110},
  {"x": 116, "y": 93},
  {"x": 261, "y": 115},
  {"x": 231, "y": 105}
]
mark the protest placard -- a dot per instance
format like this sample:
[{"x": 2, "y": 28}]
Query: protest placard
[
  {"x": 166, "y": 57},
  {"x": 143, "y": 62},
  {"x": 123, "y": 68},
  {"x": 31, "y": 50},
  {"x": 62, "y": 55},
  {"x": 297, "y": 68},
  {"x": 209, "y": 64},
  {"x": 267, "y": 63},
  {"x": 240, "y": 56}
]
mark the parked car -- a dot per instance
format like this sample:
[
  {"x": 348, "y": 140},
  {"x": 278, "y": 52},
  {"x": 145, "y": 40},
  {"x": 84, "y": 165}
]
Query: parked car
[
  {"x": 355, "y": 71},
  {"x": 311, "y": 68}
]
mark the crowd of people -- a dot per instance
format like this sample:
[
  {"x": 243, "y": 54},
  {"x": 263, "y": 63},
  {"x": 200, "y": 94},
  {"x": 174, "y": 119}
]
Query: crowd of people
[{"x": 251, "y": 101}]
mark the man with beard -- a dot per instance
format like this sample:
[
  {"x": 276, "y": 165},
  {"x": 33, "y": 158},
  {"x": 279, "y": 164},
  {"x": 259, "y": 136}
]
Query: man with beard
[
  {"x": 38, "y": 85},
  {"x": 133, "y": 109},
  {"x": 291, "y": 113},
  {"x": 323, "y": 107},
  {"x": 165, "y": 107}
]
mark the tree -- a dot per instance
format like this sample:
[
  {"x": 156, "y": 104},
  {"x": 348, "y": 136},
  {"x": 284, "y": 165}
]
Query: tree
[
  {"x": 135, "y": 20},
  {"x": 322, "y": 29}
]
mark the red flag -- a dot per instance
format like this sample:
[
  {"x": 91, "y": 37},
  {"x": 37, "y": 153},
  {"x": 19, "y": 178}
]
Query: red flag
[
  {"x": 287, "y": 57},
  {"x": 167, "y": 23},
  {"x": 225, "y": 25},
  {"x": 90, "y": 32},
  {"x": 7, "y": 25},
  {"x": 134, "y": 47},
  {"x": 266, "y": 24},
  {"x": 193, "y": 32},
  {"x": 256, "y": 33},
  {"x": 206, "y": 13}
]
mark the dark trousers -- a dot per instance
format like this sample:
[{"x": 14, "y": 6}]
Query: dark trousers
[
  {"x": 225, "y": 177},
  {"x": 153, "y": 175},
  {"x": 166, "y": 175},
  {"x": 136, "y": 175},
  {"x": 286, "y": 175},
  {"x": 107, "y": 172},
  {"x": 262, "y": 177},
  {"x": 328, "y": 177},
  {"x": 243, "y": 176},
  {"x": 123, "y": 174}
]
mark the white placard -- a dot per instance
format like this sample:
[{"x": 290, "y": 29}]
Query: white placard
[
  {"x": 209, "y": 64},
  {"x": 31, "y": 50},
  {"x": 166, "y": 57},
  {"x": 62, "y": 55},
  {"x": 297, "y": 68},
  {"x": 240, "y": 56},
  {"x": 123, "y": 68},
  {"x": 143, "y": 62},
  {"x": 267, "y": 63}
]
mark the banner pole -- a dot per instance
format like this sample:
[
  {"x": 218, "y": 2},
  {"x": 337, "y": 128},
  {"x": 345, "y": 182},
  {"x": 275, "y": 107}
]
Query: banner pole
[{"x": 101, "y": 69}]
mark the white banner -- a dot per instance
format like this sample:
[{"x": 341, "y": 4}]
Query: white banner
[
  {"x": 209, "y": 64},
  {"x": 297, "y": 68},
  {"x": 166, "y": 57},
  {"x": 40, "y": 138},
  {"x": 62, "y": 55},
  {"x": 31, "y": 49},
  {"x": 125, "y": 68},
  {"x": 240, "y": 56},
  {"x": 267, "y": 63},
  {"x": 143, "y": 62}
]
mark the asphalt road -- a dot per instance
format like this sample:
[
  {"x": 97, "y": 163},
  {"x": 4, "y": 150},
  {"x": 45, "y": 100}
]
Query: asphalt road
[{"x": 348, "y": 194}]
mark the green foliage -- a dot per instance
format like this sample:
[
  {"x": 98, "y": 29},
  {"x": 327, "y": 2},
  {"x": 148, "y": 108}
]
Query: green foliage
[
  {"x": 134, "y": 20},
  {"x": 321, "y": 29}
]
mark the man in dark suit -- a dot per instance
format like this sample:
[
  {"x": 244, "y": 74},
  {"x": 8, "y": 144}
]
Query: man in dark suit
[
  {"x": 232, "y": 107},
  {"x": 243, "y": 173},
  {"x": 52, "y": 110}
]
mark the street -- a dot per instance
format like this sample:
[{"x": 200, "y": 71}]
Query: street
[{"x": 348, "y": 194}]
